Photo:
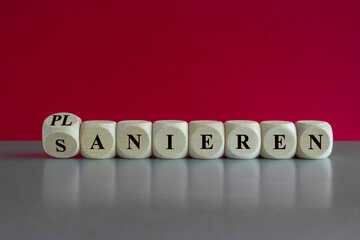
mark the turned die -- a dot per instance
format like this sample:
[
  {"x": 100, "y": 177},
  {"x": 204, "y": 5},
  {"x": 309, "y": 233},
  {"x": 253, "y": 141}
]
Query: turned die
[
  {"x": 315, "y": 139},
  {"x": 278, "y": 139},
  {"x": 60, "y": 135},
  {"x": 242, "y": 139},
  {"x": 97, "y": 139},
  {"x": 134, "y": 139},
  {"x": 170, "y": 139},
  {"x": 206, "y": 139}
]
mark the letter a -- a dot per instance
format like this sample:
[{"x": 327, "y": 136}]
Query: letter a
[{"x": 97, "y": 142}]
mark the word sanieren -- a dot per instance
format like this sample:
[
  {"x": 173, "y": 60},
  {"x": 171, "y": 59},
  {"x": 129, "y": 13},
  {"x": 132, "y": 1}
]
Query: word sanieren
[{"x": 64, "y": 135}]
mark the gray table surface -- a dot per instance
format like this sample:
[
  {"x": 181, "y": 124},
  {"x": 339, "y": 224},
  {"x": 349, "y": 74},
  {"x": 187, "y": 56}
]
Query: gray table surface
[{"x": 45, "y": 198}]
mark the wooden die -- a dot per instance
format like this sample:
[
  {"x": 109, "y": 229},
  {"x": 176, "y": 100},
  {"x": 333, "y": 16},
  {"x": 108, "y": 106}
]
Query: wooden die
[
  {"x": 242, "y": 139},
  {"x": 206, "y": 139},
  {"x": 315, "y": 139},
  {"x": 134, "y": 139},
  {"x": 278, "y": 139},
  {"x": 97, "y": 139},
  {"x": 60, "y": 135},
  {"x": 170, "y": 139}
]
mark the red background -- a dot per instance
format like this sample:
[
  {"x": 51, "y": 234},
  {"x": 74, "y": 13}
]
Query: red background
[{"x": 183, "y": 59}]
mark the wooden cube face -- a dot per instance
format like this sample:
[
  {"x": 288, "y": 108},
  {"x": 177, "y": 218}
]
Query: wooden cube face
[
  {"x": 170, "y": 139},
  {"x": 134, "y": 139},
  {"x": 242, "y": 139},
  {"x": 315, "y": 139},
  {"x": 60, "y": 135},
  {"x": 278, "y": 139},
  {"x": 97, "y": 139},
  {"x": 206, "y": 139}
]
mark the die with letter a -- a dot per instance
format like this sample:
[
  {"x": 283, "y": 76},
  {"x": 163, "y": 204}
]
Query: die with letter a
[
  {"x": 97, "y": 139},
  {"x": 60, "y": 135}
]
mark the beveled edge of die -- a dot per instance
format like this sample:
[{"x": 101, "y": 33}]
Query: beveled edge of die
[
  {"x": 205, "y": 122},
  {"x": 98, "y": 122},
  {"x": 242, "y": 122},
  {"x": 170, "y": 122},
  {"x": 275, "y": 123}
]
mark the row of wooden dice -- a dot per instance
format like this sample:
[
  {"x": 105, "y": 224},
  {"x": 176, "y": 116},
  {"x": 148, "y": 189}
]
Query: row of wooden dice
[{"x": 65, "y": 135}]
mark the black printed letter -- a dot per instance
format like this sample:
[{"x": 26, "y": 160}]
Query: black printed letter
[
  {"x": 97, "y": 142},
  {"x": 58, "y": 118},
  {"x": 61, "y": 145},
  {"x": 55, "y": 119},
  {"x": 132, "y": 138},
  {"x": 169, "y": 141},
  {"x": 278, "y": 142},
  {"x": 65, "y": 119},
  {"x": 317, "y": 142},
  {"x": 242, "y": 142},
  {"x": 206, "y": 141}
]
